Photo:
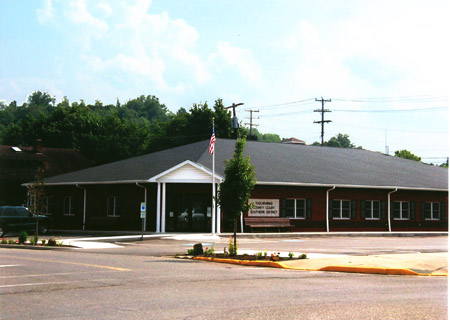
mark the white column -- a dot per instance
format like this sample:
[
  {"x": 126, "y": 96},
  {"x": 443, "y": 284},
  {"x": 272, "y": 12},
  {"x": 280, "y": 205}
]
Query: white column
[
  {"x": 213, "y": 213},
  {"x": 158, "y": 208},
  {"x": 218, "y": 213},
  {"x": 163, "y": 208},
  {"x": 145, "y": 200}
]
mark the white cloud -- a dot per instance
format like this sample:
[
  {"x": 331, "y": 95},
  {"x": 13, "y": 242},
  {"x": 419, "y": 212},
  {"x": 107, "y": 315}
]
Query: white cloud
[
  {"x": 46, "y": 13},
  {"x": 105, "y": 9},
  {"x": 241, "y": 60},
  {"x": 80, "y": 15}
]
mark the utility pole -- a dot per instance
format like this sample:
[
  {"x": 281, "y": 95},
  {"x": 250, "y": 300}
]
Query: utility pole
[
  {"x": 251, "y": 121},
  {"x": 234, "y": 120},
  {"x": 322, "y": 122}
]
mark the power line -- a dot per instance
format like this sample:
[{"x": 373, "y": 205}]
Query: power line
[
  {"x": 387, "y": 110},
  {"x": 420, "y": 98},
  {"x": 285, "y": 104}
]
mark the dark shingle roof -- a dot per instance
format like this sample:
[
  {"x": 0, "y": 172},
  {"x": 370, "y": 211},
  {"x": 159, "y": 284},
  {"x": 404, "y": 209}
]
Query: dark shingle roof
[{"x": 277, "y": 163}]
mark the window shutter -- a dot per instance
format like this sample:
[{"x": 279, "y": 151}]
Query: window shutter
[
  {"x": 330, "y": 209},
  {"x": 353, "y": 209},
  {"x": 443, "y": 211},
  {"x": 422, "y": 210},
  {"x": 283, "y": 208},
  {"x": 412, "y": 210},
  {"x": 363, "y": 208},
  {"x": 308, "y": 208}
]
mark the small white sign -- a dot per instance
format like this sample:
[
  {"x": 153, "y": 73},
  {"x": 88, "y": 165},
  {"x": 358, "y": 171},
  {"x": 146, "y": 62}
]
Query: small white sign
[
  {"x": 265, "y": 208},
  {"x": 143, "y": 207},
  {"x": 142, "y": 214}
]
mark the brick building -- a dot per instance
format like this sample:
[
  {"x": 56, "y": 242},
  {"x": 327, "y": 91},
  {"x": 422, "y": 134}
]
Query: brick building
[{"x": 314, "y": 188}]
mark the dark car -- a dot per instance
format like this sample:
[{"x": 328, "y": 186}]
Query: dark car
[{"x": 15, "y": 218}]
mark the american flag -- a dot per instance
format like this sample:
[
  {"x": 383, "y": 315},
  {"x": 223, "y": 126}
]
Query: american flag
[{"x": 211, "y": 142}]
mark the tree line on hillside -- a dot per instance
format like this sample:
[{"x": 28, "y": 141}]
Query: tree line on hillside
[
  {"x": 106, "y": 133},
  {"x": 111, "y": 132}
]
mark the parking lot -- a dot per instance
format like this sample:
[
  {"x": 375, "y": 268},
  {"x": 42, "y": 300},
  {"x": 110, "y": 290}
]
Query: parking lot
[{"x": 142, "y": 279}]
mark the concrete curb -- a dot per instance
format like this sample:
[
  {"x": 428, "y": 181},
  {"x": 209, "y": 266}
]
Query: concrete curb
[
  {"x": 31, "y": 247},
  {"x": 347, "y": 269}
]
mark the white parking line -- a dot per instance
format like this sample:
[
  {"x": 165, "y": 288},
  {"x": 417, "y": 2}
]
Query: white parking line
[{"x": 9, "y": 265}]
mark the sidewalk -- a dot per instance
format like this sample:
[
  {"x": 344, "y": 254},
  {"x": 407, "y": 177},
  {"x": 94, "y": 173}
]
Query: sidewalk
[{"x": 419, "y": 264}]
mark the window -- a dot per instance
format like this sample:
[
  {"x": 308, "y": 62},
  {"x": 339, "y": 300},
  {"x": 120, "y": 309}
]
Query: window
[
  {"x": 401, "y": 210},
  {"x": 341, "y": 209},
  {"x": 111, "y": 207},
  {"x": 432, "y": 211},
  {"x": 296, "y": 208},
  {"x": 68, "y": 209},
  {"x": 371, "y": 209}
]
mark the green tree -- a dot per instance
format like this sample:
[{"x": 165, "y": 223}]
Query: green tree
[
  {"x": 405, "y": 154},
  {"x": 235, "y": 189},
  {"x": 338, "y": 141}
]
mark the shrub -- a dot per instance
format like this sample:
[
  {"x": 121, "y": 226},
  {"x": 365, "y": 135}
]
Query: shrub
[
  {"x": 198, "y": 249},
  {"x": 302, "y": 256},
  {"x": 23, "y": 237},
  {"x": 34, "y": 240},
  {"x": 43, "y": 241},
  {"x": 290, "y": 254},
  {"x": 259, "y": 255},
  {"x": 52, "y": 242},
  {"x": 209, "y": 252},
  {"x": 190, "y": 252},
  {"x": 4, "y": 241},
  {"x": 11, "y": 241},
  {"x": 231, "y": 249}
]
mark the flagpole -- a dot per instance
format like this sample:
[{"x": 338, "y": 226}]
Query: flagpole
[{"x": 213, "y": 220}]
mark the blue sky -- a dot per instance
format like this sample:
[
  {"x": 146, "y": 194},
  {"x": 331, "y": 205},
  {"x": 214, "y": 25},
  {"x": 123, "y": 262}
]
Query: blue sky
[{"x": 382, "y": 63}]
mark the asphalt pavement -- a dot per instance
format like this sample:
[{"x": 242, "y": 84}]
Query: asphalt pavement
[{"x": 415, "y": 263}]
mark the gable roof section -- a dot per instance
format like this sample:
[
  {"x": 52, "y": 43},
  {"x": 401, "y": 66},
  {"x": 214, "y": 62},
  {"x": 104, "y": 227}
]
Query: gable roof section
[
  {"x": 186, "y": 172},
  {"x": 276, "y": 163}
]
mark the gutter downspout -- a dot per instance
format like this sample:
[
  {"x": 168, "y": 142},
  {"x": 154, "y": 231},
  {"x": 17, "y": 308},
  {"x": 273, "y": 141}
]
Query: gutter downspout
[
  {"x": 389, "y": 208},
  {"x": 84, "y": 206},
  {"x": 145, "y": 200},
  {"x": 328, "y": 209}
]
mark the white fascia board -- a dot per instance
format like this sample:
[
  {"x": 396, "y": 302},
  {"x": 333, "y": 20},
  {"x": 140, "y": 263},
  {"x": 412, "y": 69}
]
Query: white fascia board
[
  {"x": 348, "y": 186},
  {"x": 182, "y": 164},
  {"x": 89, "y": 183}
]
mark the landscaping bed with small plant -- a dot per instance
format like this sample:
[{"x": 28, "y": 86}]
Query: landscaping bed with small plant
[
  {"x": 232, "y": 253},
  {"x": 24, "y": 240}
]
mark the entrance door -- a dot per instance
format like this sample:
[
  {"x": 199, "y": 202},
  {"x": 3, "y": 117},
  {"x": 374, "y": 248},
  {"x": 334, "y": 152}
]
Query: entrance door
[{"x": 188, "y": 213}]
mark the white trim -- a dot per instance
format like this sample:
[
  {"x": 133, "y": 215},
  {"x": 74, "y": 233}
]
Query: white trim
[
  {"x": 220, "y": 178},
  {"x": 371, "y": 210},
  {"x": 341, "y": 209},
  {"x": 158, "y": 208},
  {"x": 302, "y": 184},
  {"x": 295, "y": 208},
  {"x": 163, "y": 208},
  {"x": 180, "y": 165},
  {"x": 431, "y": 211}
]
